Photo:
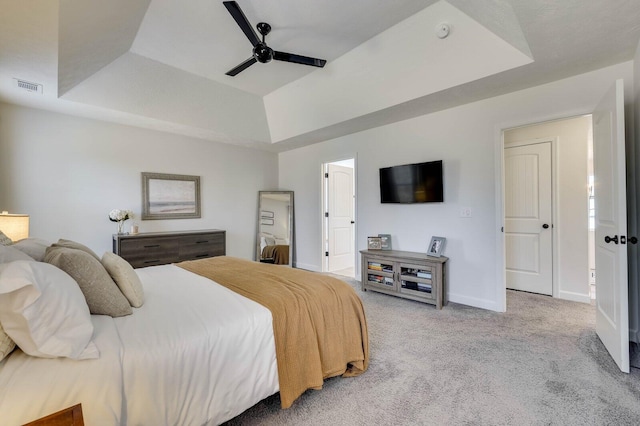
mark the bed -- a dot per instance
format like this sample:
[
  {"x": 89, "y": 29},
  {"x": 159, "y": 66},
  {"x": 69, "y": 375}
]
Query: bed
[
  {"x": 200, "y": 350},
  {"x": 274, "y": 249}
]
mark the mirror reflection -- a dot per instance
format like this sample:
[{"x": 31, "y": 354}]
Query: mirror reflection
[{"x": 275, "y": 227}]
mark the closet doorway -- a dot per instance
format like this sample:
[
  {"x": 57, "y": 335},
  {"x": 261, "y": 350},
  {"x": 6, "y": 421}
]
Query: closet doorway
[
  {"x": 546, "y": 182},
  {"x": 338, "y": 213}
]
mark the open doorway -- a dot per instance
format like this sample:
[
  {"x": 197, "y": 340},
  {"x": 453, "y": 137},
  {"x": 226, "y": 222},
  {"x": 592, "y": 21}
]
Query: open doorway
[
  {"x": 546, "y": 197},
  {"x": 338, "y": 212}
]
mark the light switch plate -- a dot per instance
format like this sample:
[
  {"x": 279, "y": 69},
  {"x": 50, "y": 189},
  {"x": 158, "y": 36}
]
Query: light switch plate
[{"x": 465, "y": 212}]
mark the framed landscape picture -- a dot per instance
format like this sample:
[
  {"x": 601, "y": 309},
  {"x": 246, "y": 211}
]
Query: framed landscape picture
[{"x": 166, "y": 196}]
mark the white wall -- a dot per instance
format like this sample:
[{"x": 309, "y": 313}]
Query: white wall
[
  {"x": 68, "y": 173},
  {"x": 468, "y": 139},
  {"x": 572, "y": 197}
]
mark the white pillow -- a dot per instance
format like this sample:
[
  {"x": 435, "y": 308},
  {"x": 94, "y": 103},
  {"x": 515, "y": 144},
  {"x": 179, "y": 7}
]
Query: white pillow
[
  {"x": 10, "y": 254},
  {"x": 43, "y": 310},
  {"x": 34, "y": 247},
  {"x": 125, "y": 277}
]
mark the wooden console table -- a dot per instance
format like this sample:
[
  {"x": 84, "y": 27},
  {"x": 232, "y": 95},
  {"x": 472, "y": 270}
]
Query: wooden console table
[
  {"x": 406, "y": 274},
  {"x": 159, "y": 248}
]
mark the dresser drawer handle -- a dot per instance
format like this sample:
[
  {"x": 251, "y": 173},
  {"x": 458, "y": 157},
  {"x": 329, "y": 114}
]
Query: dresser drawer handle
[
  {"x": 152, "y": 261},
  {"x": 203, "y": 255},
  {"x": 202, "y": 242},
  {"x": 151, "y": 246}
]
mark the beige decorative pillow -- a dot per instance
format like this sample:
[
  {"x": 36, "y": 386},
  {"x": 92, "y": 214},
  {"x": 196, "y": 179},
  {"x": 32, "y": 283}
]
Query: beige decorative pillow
[
  {"x": 77, "y": 246},
  {"x": 4, "y": 240},
  {"x": 6, "y": 344},
  {"x": 125, "y": 277},
  {"x": 101, "y": 293}
]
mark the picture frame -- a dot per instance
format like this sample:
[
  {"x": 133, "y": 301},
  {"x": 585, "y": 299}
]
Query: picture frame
[
  {"x": 169, "y": 196},
  {"x": 374, "y": 243},
  {"x": 436, "y": 246},
  {"x": 266, "y": 214},
  {"x": 385, "y": 240}
]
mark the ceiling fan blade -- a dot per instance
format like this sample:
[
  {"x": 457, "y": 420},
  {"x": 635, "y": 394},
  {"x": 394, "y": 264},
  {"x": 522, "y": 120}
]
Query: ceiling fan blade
[
  {"x": 298, "y": 59},
  {"x": 242, "y": 21},
  {"x": 243, "y": 66}
]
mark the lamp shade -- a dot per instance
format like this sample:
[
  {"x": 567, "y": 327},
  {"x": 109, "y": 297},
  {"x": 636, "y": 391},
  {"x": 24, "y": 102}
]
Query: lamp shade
[{"x": 15, "y": 226}]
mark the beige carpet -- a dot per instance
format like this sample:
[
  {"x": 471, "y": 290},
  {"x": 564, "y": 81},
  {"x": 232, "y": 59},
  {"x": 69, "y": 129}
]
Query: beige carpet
[{"x": 540, "y": 363}]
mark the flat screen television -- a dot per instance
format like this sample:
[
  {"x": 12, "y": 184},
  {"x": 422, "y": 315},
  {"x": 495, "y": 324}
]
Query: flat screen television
[{"x": 412, "y": 183}]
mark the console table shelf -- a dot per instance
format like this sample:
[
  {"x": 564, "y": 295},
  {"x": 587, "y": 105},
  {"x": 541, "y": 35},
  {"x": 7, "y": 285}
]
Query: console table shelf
[{"x": 406, "y": 274}]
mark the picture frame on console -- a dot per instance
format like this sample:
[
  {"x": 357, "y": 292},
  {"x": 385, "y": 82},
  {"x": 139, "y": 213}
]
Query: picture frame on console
[
  {"x": 374, "y": 243},
  {"x": 436, "y": 246},
  {"x": 385, "y": 240}
]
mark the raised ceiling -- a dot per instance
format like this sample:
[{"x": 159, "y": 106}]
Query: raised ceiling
[{"x": 161, "y": 63}]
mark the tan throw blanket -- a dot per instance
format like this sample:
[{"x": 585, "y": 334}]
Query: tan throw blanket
[
  {"x": 318, "y": 321},
  {"x": 279, "y": 254}
]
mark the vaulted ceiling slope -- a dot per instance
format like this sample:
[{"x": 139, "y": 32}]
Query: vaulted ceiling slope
[{"x": 161, "y": 63}]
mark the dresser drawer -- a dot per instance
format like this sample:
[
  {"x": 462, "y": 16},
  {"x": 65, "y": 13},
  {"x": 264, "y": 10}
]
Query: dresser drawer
[
  {"x": 150, "y": 251},
  {"x": 201, "y": 246}
]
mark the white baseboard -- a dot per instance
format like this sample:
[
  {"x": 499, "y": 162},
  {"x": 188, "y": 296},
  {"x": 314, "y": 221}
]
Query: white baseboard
[
  {"x": 574, "y": 297},
  {"x": 475, "y": 302},
  {"x": 307, "y": 266}
]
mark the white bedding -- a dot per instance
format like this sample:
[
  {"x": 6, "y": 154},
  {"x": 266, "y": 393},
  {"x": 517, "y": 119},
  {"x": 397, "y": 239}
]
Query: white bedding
[
  {"x": 195, "y": 353},
  {"x": 32, "y": 387}
]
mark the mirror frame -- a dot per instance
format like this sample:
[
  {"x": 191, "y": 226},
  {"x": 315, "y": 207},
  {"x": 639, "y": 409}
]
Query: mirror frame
[{"x": 289, "y": 224}]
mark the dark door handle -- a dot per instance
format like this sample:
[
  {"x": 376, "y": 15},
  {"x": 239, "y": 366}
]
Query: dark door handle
[
  {"x": 608, "y": 239},
  {"x": 353, "y": 222},
  {"x": 633, "y": 240},
  {"x": 545, "y": 226}
]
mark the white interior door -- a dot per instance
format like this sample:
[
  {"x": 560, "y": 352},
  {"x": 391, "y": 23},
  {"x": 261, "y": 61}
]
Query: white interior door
[
  {"x": 612, "y": 310},
  {"x": 528, "y": 215},
  {"x": 340, "y": 223}
]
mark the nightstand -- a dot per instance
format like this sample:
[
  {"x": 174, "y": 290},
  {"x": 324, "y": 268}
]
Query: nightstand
[{"x": 71, "y": 416}]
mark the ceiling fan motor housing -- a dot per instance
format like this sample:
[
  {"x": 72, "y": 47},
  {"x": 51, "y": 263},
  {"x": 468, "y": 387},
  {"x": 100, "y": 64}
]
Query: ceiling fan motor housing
[{"x": 262, "y": 53}]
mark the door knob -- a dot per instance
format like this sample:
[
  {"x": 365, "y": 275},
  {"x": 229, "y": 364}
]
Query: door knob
[
  {"x": 608, "y": 239},
  {"x": 545, "y": 226},
  {"x": 633, "y": 240}
]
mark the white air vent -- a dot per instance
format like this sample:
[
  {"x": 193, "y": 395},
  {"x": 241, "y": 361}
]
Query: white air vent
[{"x": 28, "y": 86}]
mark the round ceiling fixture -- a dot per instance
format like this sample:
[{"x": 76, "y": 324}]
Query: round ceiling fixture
[{"x": 442, "y": 30}]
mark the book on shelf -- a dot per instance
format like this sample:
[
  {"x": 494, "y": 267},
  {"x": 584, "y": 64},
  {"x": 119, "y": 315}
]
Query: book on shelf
[
  {"x": 424, "y": 287},
  {"x": 375, "y": 266},
  {"x": 388, "y": 281},
  {"x": 422, "y": 274}
]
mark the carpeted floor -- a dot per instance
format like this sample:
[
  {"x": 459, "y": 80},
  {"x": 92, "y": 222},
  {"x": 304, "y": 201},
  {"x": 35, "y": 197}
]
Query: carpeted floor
[{"x": 540, "y": 363}]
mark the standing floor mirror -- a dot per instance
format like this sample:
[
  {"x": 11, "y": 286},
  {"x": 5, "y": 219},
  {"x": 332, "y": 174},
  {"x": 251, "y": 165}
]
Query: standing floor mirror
[{"x": 274, "y": 243}]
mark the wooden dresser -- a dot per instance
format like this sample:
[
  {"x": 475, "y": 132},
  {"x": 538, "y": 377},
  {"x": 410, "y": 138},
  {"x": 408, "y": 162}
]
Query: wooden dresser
[{"x": 159, "y": 248}]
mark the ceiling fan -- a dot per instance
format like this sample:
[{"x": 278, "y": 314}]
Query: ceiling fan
[{"x": 261, "y": 52}]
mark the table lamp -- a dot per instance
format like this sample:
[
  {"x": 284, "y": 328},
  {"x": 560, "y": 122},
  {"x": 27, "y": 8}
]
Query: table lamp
[{"x": 14, "y": 226}]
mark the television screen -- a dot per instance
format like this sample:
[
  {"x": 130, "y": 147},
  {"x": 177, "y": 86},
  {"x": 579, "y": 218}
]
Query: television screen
[{"x": 412, "y": 183}]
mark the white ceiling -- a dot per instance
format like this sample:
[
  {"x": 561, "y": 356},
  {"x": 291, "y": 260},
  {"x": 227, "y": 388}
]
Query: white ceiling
[{"x": 161, "y": 63}]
